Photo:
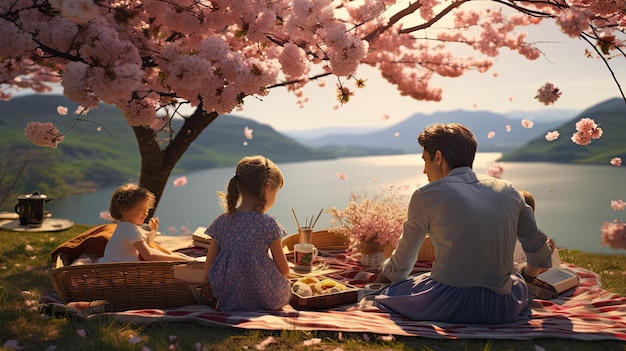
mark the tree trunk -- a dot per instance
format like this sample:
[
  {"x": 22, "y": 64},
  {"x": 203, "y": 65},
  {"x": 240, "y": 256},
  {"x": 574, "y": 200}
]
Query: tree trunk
[{"x": 157, "y": 164}]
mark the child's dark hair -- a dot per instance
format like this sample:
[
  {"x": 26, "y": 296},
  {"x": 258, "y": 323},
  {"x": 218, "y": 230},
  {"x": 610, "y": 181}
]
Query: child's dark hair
[
  {"x": 528, "y": 198},
  {"x": 253, "y": 175},
  {"x": 127, "y": 196}
]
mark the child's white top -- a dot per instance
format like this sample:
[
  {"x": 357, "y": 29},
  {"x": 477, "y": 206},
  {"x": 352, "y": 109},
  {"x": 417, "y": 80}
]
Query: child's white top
[{"x": 120, "y": 247}]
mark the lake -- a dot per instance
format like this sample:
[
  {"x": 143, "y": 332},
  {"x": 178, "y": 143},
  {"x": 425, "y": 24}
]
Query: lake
[{"x": 572, "y": 200}]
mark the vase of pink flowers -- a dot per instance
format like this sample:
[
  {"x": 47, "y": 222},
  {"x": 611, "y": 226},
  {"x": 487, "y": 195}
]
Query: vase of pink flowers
[{"x": 374, "y": 226}]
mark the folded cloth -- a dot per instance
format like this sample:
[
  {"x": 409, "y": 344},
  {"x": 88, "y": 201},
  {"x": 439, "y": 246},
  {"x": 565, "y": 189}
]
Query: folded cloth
[{"x": 90, "y": 243}]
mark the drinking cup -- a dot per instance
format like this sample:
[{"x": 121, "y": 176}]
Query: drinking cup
[
  {"x": 303, "y": 256},
  {"x": 306, "y": 234}
]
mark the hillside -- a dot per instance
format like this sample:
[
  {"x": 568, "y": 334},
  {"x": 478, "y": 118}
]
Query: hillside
[
  {"x": 402, "y": 136},
  {"x": 100, "y": 149},
  {"x": 610, "y": 115}
]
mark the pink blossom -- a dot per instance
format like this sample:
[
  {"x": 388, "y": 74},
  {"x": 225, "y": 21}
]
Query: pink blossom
[
  {"x": 618, "y": 205},
  {"x": 342, "y": 176},
  {"x": 247, "y": 133},
  {"x": 62, "y": 110},
  {"x": 548, "y": 94},
  {"x": 106, "y": 216},
  {"x": 180, "y": 181},
  {"x": 43, "y": 134},
  {"x": 526, "y": 123},
  {"x": 614, "y": 234},
  {"x": 553, "y": 135},
  {"x": 616, "y": 161},
  {"x": 581, "y": 138},
  {"x": 496, "y": 170},
  {"x": 587, "y": 129},
  {"x": 491, "y": 134},
  {"x": 507, "y": 128}
]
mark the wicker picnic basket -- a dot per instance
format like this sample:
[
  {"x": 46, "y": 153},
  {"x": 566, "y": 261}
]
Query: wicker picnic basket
[
  {"x": 131, "y": 285},
  {"x": 327, "y": 240},
  {"x": 323, "y": 240}
]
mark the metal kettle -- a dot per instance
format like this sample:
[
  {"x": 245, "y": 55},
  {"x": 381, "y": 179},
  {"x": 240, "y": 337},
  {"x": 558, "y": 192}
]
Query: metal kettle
[{"x": 31, "y": 208}]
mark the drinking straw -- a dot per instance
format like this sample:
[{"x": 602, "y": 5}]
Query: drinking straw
[
  {"x": 318, "y": 217},
  {"x": 296, "y": 218}
]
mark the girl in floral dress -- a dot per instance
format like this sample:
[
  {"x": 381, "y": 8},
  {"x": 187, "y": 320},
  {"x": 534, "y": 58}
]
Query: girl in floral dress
[{"x": 242, "y": 274}]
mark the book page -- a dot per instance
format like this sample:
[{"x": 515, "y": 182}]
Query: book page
[{"x": 561, "y": 279}]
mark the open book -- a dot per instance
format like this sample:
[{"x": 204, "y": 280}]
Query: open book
[{"x": 553, "y": 282}]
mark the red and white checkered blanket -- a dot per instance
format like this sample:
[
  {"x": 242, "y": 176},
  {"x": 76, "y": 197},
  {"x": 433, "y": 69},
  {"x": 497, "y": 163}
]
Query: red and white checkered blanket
[{"x": 586, "y": 312}]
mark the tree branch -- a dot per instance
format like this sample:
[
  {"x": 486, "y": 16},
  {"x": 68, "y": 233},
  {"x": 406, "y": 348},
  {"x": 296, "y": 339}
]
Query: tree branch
[
  {"x": 434, "y": 19},
  {"x": 606, "y": 63}
]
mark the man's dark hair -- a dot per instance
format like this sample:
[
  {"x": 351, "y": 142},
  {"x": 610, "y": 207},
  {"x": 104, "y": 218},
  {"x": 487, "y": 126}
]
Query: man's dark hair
[{"x": 455, "y": 141}]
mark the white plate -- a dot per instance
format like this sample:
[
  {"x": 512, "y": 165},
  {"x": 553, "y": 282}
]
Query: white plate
[{"x": 48, "y": 225}]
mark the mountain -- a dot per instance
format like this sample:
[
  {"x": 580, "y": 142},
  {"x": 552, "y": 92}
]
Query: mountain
[
  {"x": 100, "y": 148},
  {"x": 610, "y": 115},
  {"x": 402, "y": 136}
]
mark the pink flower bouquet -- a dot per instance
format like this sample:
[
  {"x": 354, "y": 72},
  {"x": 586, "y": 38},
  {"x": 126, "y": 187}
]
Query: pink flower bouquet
[{"x": 370, "y": 221}]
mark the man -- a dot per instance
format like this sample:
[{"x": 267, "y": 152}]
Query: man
[{"x": 473, "y": 221}]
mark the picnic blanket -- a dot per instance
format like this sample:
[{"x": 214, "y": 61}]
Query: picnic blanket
[{"x": 586, "y": 312}]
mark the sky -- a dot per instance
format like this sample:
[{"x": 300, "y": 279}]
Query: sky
[{"x": 583, "y": 81}]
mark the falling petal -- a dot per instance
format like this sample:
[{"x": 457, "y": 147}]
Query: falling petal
[
  {"x": 245, "y": 143},
  {"x": 312, "y": 341},
  {"x": 491, "y": 134},
  {"x": 526, "y": 123},
  {"x": 81, "y": 332},
  {"x": 106, "y": 216},
  {"x": 265, "y": 343},
  {"x": 507, "y": 128},
  {"x": 145, "y": 348},
  {"x": 198, "y": 346},
  {"x": 172, "y": 230},
  {"x": 62, "y": 110},
  {"x": 247, "y": 133},
  {"x": 553, "y": 135},
  {"x": 396, "y": 134},
  {"x": 616, "y": 161},
  {"x": 28, "y": 248},
  {"x": 342, "y": 176},
  {"x": 510, "y": 98},
  {"x": 366, "y": 337},
  {"x": 386, "y": 117},
  {"x": 99, "y": 129},
  {"x": 387, "y": 338},
  {"x": 180, "y": 181}
]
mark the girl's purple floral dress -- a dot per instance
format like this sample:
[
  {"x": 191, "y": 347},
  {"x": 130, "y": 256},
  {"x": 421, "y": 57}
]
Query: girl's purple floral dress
[{"x": 243, "y": 275}]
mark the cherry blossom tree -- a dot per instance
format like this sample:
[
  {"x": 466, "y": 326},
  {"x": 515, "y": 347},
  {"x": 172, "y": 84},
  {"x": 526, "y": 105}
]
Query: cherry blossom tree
[{"x": 151, "y": 57}]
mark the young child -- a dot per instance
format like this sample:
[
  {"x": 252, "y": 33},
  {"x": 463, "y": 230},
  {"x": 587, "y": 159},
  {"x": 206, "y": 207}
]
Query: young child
[
  {"x": 242, "y": 274},
  {"x": 130, "y": 205},
  {"x": 519, "y": 257}
]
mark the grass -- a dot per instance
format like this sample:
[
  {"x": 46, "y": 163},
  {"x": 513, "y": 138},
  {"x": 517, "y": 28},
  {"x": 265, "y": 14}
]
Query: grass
[{"x": 25, "y": 267}]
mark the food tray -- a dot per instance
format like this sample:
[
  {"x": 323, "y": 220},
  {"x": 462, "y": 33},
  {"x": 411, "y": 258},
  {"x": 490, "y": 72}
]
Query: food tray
[{"x": 324, "y": 301}]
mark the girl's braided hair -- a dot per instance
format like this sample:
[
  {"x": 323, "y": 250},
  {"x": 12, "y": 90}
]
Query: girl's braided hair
[{"x": 252, "y": 176}]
